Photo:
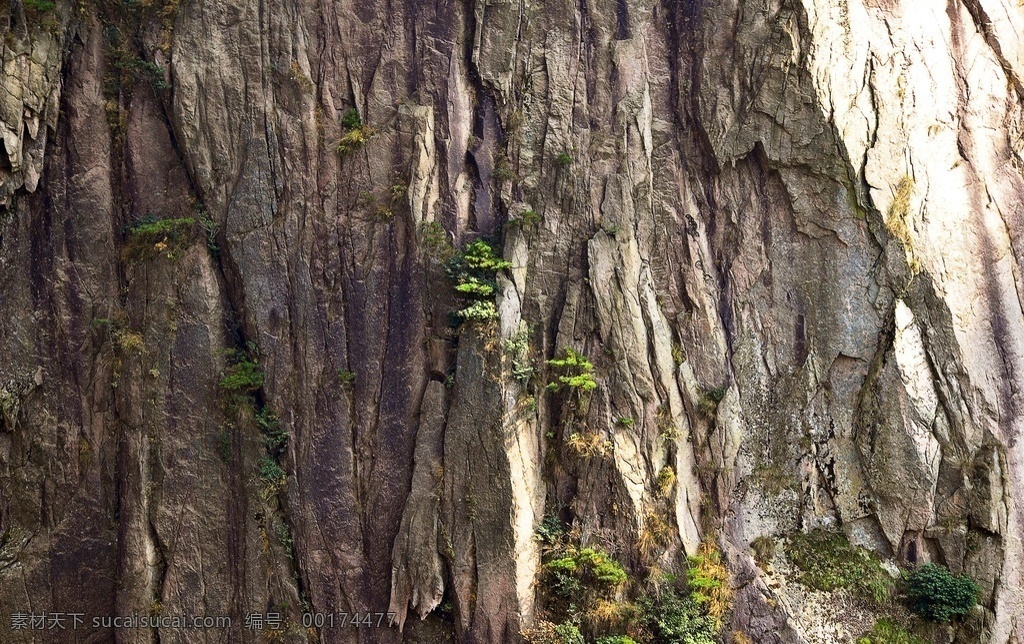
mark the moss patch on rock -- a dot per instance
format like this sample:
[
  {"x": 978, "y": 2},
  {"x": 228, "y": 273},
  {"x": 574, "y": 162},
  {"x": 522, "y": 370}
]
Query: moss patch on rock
[{"x": 827, "y": 561}]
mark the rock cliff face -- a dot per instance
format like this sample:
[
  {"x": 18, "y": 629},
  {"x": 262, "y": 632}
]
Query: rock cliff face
[{"x": 786, "y": 233}]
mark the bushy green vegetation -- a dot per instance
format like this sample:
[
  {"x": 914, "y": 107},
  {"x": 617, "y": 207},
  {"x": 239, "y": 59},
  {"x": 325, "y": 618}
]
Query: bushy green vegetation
[
  {"x": 473, "y": 271},
  {"x": 550, "y": 531},
  {"x": 346, "y": 377},
  {"x": 503, "y": 170},
  {"x": 708, "y": 403},
  {"x": 270, "y": 471},
  {"x": 675, "y": 617},
  {"x": 435, "y": 243},
  {"x": 242, "y": 375},
  {"x": 133, "y": 31},
  {"x": 826, "y": 561},
  {"x": 275, "y": 439},
  {"x": 525, "y": 219},
  {"x": 149, "y": 237},
  {"x": 707, "y": 580},
  {"x": 283, "y": 532},
  {"x": 518, "y": 349},
  {"x": 40, "y": 14},
  {"x": 933, "y": 592},
  {"x": 355, "y": 133},
  {"x": 564, "y": 159},
  {"x": 577, "y": 372},
  {"x": 585, "y": 587},
  {"x": 351, "y": 119},
  {"x": 574, "y": 572},
  {"x": 546, "y": 632},
  {"x": 39, "y": 7},
  {"x": 241, "y": 381},
  {"x": 887, "y": 631},
  {"x": 141, "y": 70},
  {"x": 210, "y": 228},
  {"x": 380, "y": 210}
]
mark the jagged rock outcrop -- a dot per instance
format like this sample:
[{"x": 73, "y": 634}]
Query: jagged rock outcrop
[{"x": 785, "y": 234}]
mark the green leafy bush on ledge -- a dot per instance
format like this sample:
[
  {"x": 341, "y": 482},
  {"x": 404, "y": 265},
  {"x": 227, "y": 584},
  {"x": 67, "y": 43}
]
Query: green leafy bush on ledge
[
  {"x": 933, "y": 592},
  {"x": 473, "y": 271}
]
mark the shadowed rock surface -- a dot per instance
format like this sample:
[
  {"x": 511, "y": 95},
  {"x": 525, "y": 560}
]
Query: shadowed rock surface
[{"x": 786, "y": 233}]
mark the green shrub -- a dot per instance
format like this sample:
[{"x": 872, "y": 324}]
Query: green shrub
[
  {"x": 210, "y": 228},
  {"x": 478, "y": 312},
  {"x": 672, "y": 618},
  {"x": 666, "y": 481},
  {"x": 886, "y": 631},
  {"x": 270, "y": 470},
  {"x": 707, "y": 405},
  {"x": 563, "y": 577},
  {"x": 434, "y": 240},
  {"x": 550, "y": 531},
  {"x": 474, "y": 287},
  {"x": 40, "y": 14},
  {"x": 526, "y": 219},
  {"x": 131, "y": 70},
  {"x": 149, "y": 237},
  {"x": 518, "y": 349},
  {"x": 473, "y": 272},
  {"x": 707, "y": 580},
  {"x": 346, "y": 377},
  {"x": 351, "y": 120},
  {"x": 563, "y": 159},
  {"x": 380, "y": 210},
  {"x": 677, "y": 354},
  {"x": 39, "y": 7},
  {"x": 579, "y": 372},
  {"x": 503, "y": 170},
  {"x": 605, "y": 569},
  {"x": 283, "y": 532},
  {"x": 480, "y": 256},
  {"x": 935, "y": 593},
  {"x": 826, "y": 561},
  {"x": 587, "y": 568},
  {"x": 275, "y": 439},
  {"x": 615, "y": 639},
  {"x": 356, "y": 133},
  {"x": 545, "y": 632},
  {"x": 568, "y": 633},
  {"x": 243, "y": 374}
]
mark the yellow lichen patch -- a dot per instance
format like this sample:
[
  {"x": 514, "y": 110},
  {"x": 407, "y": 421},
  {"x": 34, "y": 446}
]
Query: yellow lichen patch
[
  {"x": 898, "y": 222},
  {"x": 739, "y": 637}
]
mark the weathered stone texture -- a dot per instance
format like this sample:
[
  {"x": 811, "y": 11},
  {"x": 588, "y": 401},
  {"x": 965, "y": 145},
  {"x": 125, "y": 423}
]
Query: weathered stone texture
[{"x": 786, "y": 233}]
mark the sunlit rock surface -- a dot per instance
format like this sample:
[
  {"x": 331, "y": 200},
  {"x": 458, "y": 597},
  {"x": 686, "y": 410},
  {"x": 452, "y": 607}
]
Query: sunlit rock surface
[{"x": 786, "y": 233}]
